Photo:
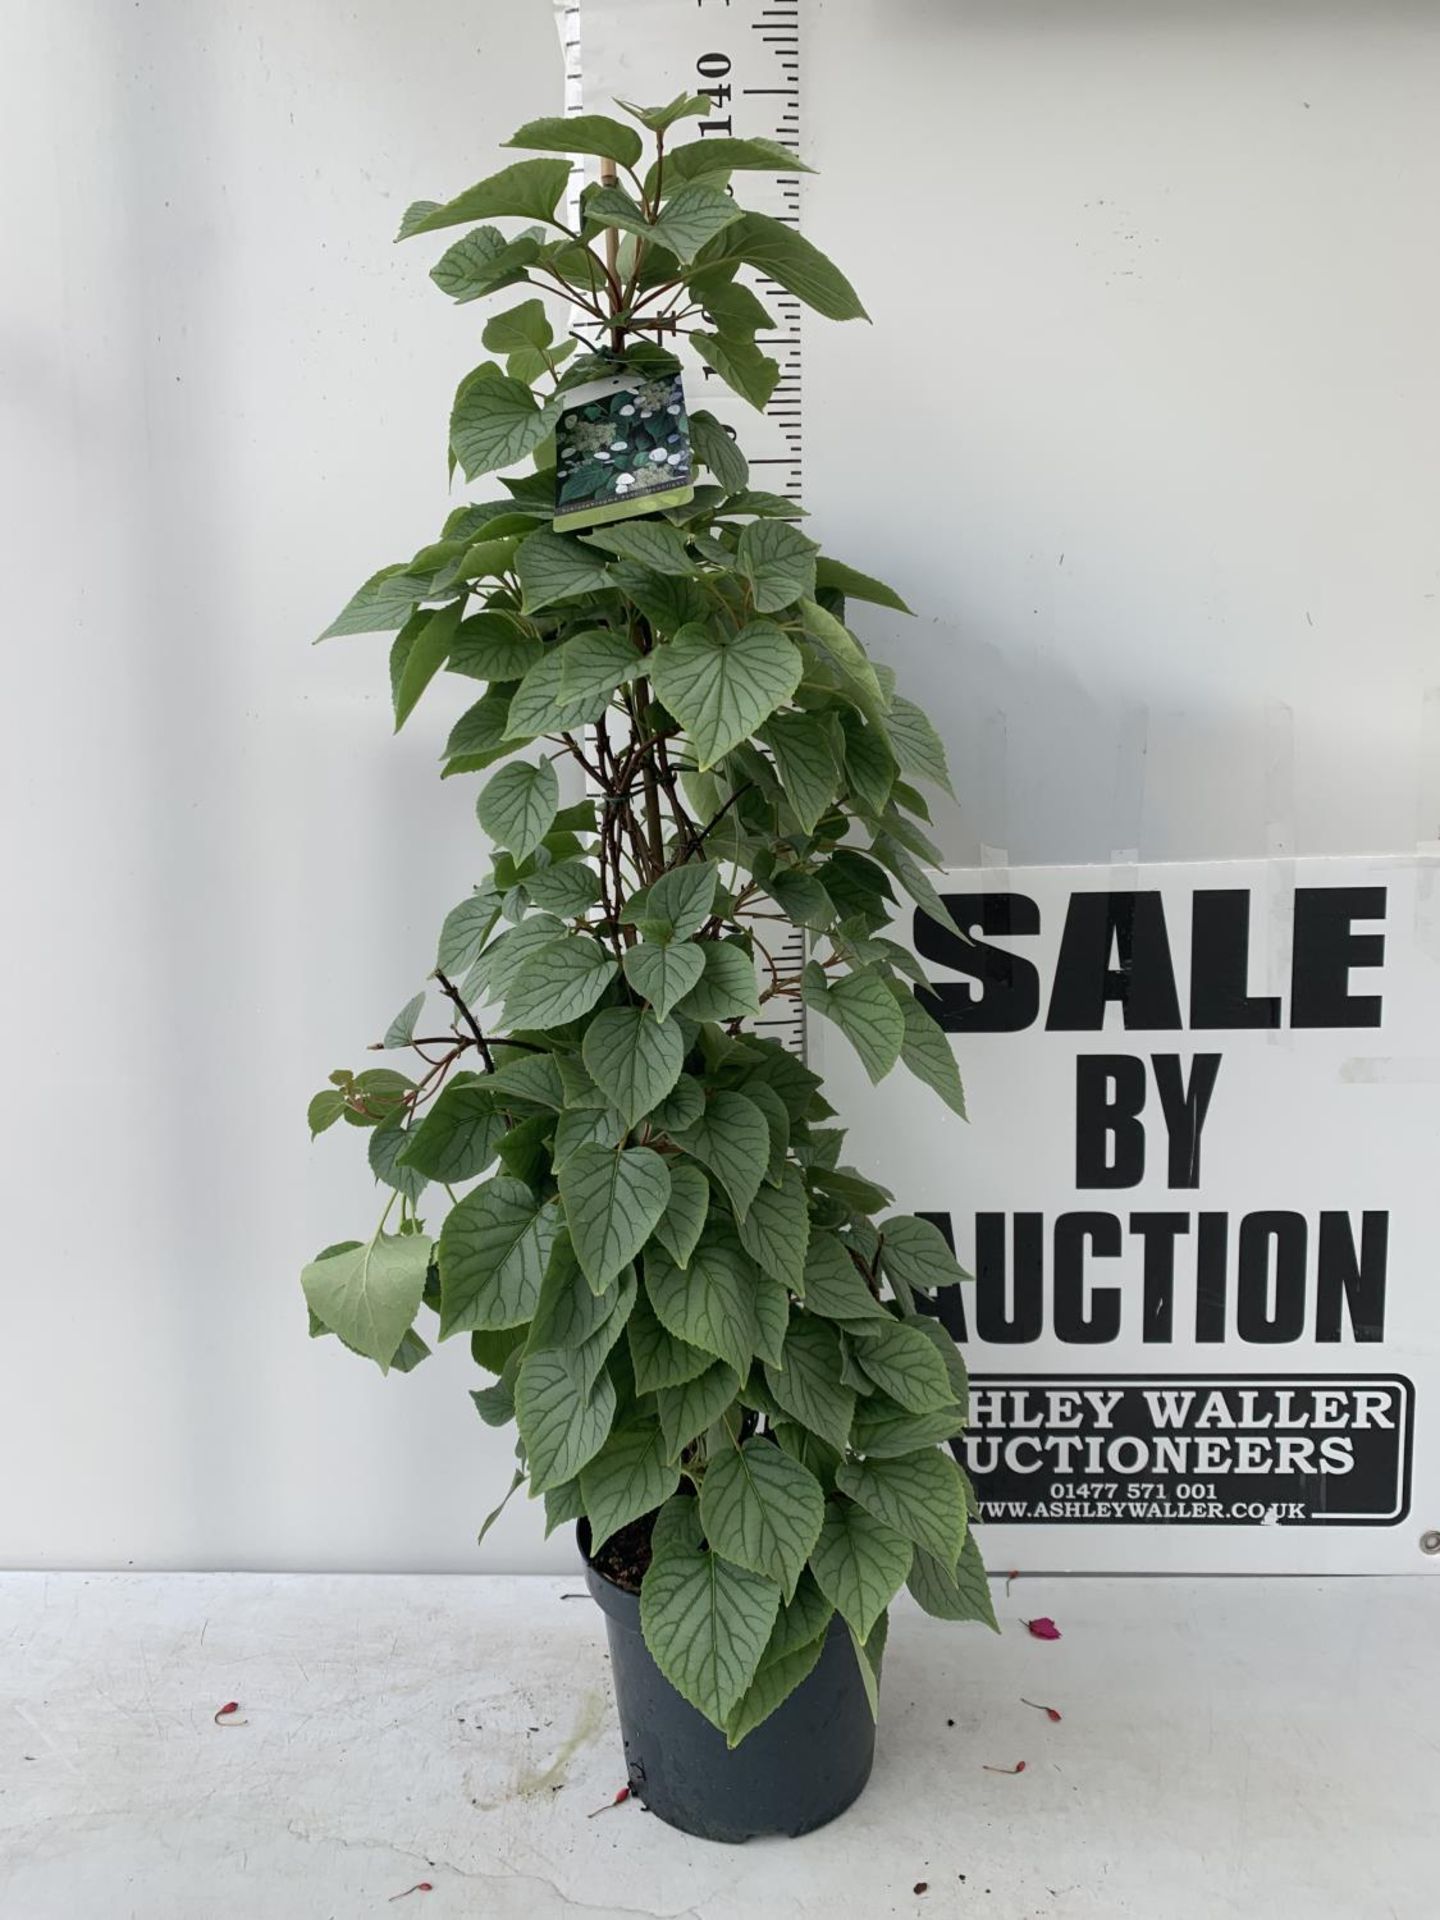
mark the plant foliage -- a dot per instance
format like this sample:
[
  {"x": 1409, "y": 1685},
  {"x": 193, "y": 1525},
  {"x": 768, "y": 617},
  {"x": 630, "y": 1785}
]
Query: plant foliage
[{"x": 634, "y": 1206}]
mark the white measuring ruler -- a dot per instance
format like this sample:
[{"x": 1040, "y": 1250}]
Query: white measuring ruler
[{"x": 745, "y": 55}]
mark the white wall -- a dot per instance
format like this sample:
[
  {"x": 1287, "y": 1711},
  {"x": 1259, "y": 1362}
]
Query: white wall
[
  {"x": 1176, "y": 321},
  {"x": 1154, "y": 290},
  {"x": 225, "y": 398}
]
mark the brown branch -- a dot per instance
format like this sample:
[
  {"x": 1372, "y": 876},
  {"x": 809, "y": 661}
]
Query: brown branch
[
  {"x": 711, "y": 825},
  {"x": 452, "y": 993}
]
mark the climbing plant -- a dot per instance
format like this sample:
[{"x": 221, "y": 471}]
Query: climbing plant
[{"x": 634, "y": 1206}]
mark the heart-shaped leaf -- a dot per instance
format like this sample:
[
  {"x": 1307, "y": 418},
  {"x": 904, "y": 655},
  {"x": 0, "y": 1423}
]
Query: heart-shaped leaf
[{"x": 612, "y": 1200}]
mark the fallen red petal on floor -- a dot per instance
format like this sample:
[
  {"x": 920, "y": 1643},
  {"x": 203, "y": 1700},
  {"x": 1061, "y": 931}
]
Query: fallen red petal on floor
[
  {"x": 1044, "y": 1628},
  {"x": 1051, "y": 1713}
]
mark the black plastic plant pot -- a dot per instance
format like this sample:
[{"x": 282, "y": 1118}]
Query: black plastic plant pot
[{"x": 799, "y": 1769}]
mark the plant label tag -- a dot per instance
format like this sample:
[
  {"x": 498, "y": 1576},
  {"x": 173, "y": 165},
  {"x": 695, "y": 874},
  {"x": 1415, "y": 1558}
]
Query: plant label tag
[{"x": 622, "y": 448}]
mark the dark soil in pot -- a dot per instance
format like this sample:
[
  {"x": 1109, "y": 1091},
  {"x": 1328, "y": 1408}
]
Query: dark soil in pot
[{"x": 796, "y": 1771}]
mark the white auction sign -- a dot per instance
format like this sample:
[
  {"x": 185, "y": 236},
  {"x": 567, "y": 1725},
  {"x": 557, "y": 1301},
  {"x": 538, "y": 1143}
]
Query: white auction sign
[{"x": 1197, "y": 1190}]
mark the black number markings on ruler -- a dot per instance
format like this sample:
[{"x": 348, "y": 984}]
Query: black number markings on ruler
[
  {"x": 754, "y": 82},
  {"x": 755, "y": 86}
]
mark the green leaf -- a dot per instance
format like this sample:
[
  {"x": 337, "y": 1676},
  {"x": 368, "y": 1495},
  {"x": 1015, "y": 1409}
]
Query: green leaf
[
  {"x": 859, "y": 1564},
  {"x": 494, "y": 646},
  {"x": 915, "y": 1252},
  {"x": 790, "y": 260},
  {"x": 386, "y": 1154},
  {"x": 369, "y": 1294},
  {"x": 526, "y": 325},
  {"x": 612, "y": 206},
  {"x": 868, "y": 1655},
  {"x": 884, "y": 1430},
  {"x": 552, "y": 568},
  {"x": 808, "y": 1385},
  {"x": 540, "y": 705},
  {"x": 740, "y": 364},
  {"x": 562, "y": 1504},
  {"x": 494, "y": 423},
  {"x": 517, "y": 805},
  {"x": 569, "y": 1312},
  {"x": 634, "y": 1058},
  {"x": 582, "y": 133},
  {"x": 802, "y": 899},
  {"x": 804, "y": 746},
  {"x": 324, "y": 1110},
  {"x": 658, "y": 1357},
  {"x": 678, "y": 904},
  {"x": 679, "y": 1227},
  {"x": 963, "y": 1595},
  {"x": 567, "y": 888},
  {"x": 927, "y": 1052},
  {"x": 424, "y": 659},
  {"x": 733, "y": 1140},
  {"x": 711, "y": 1303},
  {"x": 720, "y": 686},
  {"x": 727, "y": 988},
  {"x": 776, "y": 1230},
  {"x": 762, "y": 1510},
  {"x": 562, "y": 1424},
  {"x": 680, "y": 1108},
  {"x": 668, "y": 601},
  {"x": 699, "y": 157},
  {"x": 778, "y": 561},
  {"x": 381, "y": 1092},
  {"x": 706, "y": 1624},
  {"x": 776, "y": 1680},
  {"x": 903, "y": 1363},
  {"x": 494, "y": 1248},
  {"x": 560, "y": 982},
  {"x": 483, "y": 261},
  {"x": 804, "y": 1617},
  {"x": 846, "y": 655},
  {"x": 735, "y": 312},
  {"x": 480, "y": 737},
  {"x": 915, "y": 880},
  {"x": 664, "y": 975},
  {"x": 585, "y": 1127},
  {"x": 594, "y": 664},
  {"x": 496, "y": 1405},
  {"x": 719, "y": 452},
  {"x": 628, "y": 1477},
  {"x": 869, "y": 764},
  {"x": 649, "y": 543},
  {"x": 612, "y": 1201},
  {"x": 384, "y": 603},
  {"x": 683, "y": 106},
  {"x": 530, "y": 190},
  {"x": 517, "y": 1481},
  {"x": 838, "y": 578},
  {"x": 690, "y": 217},
  {"x": 918, "y": 1494},
  {"x": 504, "y": 959},
  {"x": 401, "y": 1030},
  {"x": 918, "y": 747},
  {"x": 864, "y": 1009},
  {"x": 687, "y": 1410},
  {"x": 834, "y": 1287}
]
